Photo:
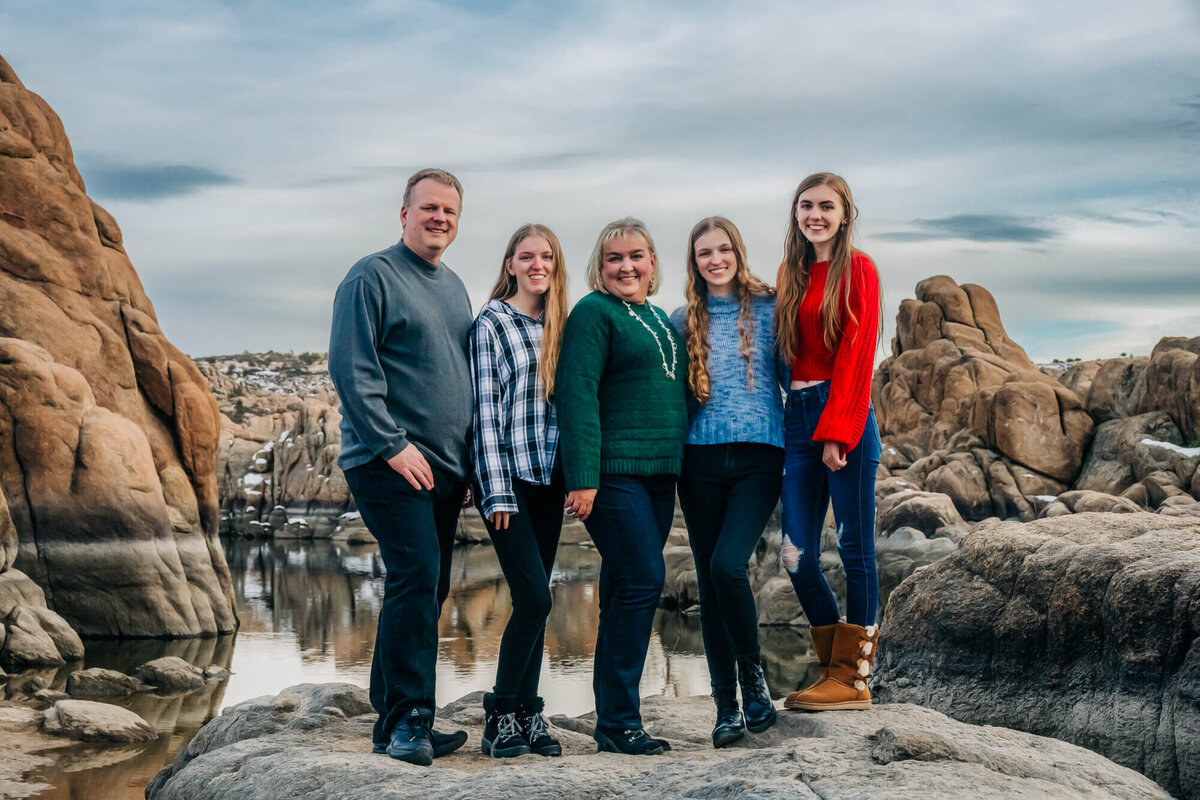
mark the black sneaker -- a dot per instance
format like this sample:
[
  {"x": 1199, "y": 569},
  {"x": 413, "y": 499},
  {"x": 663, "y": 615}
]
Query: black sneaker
[
  {"x": 535, "y": 728},
  {"x": 756, "y": 700},
  {"x": 443, "y": 743},
  {"x": 730, "y": 725},
  {"x": 630, "y": 742},
  {"x": 410, "y": 738},
  {"x": 502, "y": 736}
]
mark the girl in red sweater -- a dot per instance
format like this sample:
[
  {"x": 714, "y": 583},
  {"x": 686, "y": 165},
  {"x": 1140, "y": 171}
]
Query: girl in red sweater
[{"x": 827, "y": 319}]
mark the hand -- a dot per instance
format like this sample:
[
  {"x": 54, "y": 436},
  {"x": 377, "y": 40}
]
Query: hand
[
  {"x": 412, "y": 465},
  {"x": 579, "y": 503},
  {"x": 834, "y": 456},
  {"x": 499, "y": 520},
  {"x": 467, "y": 498}
]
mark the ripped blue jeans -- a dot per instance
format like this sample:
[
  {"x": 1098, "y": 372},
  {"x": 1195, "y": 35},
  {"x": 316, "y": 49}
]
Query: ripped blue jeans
[{"x": 808, "y": 488}]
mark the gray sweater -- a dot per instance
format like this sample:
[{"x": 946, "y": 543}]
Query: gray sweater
[{"x": 398, "y": 359}]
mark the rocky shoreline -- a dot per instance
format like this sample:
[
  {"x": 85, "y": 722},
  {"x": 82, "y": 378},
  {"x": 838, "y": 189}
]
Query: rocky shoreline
[{"x": 313, "y": 741}]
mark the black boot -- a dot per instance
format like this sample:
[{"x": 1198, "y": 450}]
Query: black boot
[
  {"x": 502, "y": 732},
  {"x": 631, "y": 742},
  {"x": 535, "y": 729},
  {"x": 443, "y": 743},
  {"x": 410, "y": 738},
  {"x": 730, "y": 726},
  {"x": 756, "y": 700}
]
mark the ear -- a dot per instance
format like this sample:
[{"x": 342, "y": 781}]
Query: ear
[
  {"x": 403, "y": 216},
  {"x": 508, "y": 267}
]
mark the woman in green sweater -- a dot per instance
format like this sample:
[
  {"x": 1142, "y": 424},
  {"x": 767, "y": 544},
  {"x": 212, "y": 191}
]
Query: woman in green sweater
[{"x": 622, "y": 415}]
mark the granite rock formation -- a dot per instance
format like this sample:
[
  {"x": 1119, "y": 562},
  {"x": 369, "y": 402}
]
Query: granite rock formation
[
  {"x": 1083, "y": 627},
  {"x": 108, "y": 434},
  {"x": 314, "y": 740}
]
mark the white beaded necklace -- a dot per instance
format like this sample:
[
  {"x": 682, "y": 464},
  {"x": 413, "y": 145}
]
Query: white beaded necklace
[{"x": 668, "y": 371}]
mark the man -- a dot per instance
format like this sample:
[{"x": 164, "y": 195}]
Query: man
[{"x": 398, "y": 358}]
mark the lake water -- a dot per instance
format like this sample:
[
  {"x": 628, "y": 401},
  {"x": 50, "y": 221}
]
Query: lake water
[{"x": 308, "y": 614}]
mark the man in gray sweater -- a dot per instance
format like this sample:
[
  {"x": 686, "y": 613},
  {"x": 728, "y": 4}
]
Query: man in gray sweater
[{"x": 398, "y": 359}]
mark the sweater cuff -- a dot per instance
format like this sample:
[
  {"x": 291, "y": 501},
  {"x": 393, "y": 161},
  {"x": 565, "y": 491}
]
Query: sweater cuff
[
  {"x": 500, "y": 501},
  {"x": 583, "y": 479},
  {"x": 392, "y": 447}
]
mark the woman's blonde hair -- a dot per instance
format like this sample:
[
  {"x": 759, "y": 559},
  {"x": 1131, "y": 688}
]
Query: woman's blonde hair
[
  {"x": 555, "y": 300},
  {"x": 695, "y": 329},
  {"x": 621, "y": 227},
  {"x": 798, "y": 257}
]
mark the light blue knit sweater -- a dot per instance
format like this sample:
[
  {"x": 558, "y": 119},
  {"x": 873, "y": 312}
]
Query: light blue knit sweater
[{"x": 738, "y": 411}]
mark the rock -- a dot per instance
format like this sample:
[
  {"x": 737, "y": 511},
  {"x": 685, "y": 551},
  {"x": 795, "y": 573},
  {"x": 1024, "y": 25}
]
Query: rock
[
  {"x": 1172, "y": 384},
  {"x": 352, "y": 530},
  {"x": 48, "y": 697},
  {"x": 1080, "y": 627},
  {"x": 89, "y": 721},
  {"x": 8, "y": 535},
  {"x": 291, "y": 745},
  {"x": 26, "y": 644},
  {"x": 171, "y": 674},
  {"x": 108, "y": 434},
  {"x": 924, "y": 511},
  {"x": 213, "y": 672},
  {"x": 97, "y": 682},
  {"x": 1126, "y": 451},
  {"x": 681, "y": 588}
]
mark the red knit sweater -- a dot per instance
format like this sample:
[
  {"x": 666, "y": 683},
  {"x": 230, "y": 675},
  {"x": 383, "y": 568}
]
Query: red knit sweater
[{"x": 848, "y": 367}]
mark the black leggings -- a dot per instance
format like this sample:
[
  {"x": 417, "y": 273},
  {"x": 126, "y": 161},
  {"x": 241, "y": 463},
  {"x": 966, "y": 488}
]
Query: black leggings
[
  {"x": 526, "y": 551},
  {"x": 727, "y": 492}
]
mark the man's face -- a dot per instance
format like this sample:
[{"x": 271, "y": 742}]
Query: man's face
[{"x": 430, "y": 220}]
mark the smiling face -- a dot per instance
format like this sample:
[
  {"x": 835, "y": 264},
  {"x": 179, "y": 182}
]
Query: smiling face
[
  {"x": 626, "y": 267},
  {"x": 532, "y": 265},
  {"x": 716, "y": 261},
  {"x": 430, "y": 219},
  {"x": 820, "y": 214}
]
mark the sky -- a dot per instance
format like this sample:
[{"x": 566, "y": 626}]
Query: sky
[{"x": 253, "y": 151}]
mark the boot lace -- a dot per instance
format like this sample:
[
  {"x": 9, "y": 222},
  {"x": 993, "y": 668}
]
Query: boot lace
[
  {"x": 538, "y": 727},
  {"x": 508, "y": 726}
]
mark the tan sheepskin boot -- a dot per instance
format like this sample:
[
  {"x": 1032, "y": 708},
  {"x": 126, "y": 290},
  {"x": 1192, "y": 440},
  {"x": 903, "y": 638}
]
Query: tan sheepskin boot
[
  {"x": 822, "y": 639},
  {"x": 845, "y": 688}
]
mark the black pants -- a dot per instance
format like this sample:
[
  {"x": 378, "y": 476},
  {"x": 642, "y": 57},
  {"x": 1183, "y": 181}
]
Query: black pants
[
  {"x": 629, "y": 523},
  {"x": 415, "y": 530},
  {"x": 526, "y": 551},
  {"x": 727, "y": 492}
]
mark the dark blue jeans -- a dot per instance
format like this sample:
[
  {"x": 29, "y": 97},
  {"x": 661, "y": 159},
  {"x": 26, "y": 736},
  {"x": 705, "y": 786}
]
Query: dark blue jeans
[
  {"x": 526, "y": 552},
  {"x": 415, "y": 530},
  {"x": 727, "y": 492},
  {"x": 808, "y": 488},
  {"x": 629, "y": 523}
]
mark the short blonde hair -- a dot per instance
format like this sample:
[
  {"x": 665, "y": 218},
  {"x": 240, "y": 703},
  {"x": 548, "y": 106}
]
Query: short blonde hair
[
  {"x": 621, "y": 227},
  {"x": 439, "y": 175}
]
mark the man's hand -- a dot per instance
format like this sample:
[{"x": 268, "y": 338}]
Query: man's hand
[
  {"x": 412, "y": 465},
  {"x": 499, "y": 520},
  {"x": 834, "y": 456},
  {"x": 467, "y": 498},
  {"x": 579, "y": 503}
]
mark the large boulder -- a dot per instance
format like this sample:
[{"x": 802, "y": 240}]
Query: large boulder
[
  {"x": 1172, "y": 384},
  {"x": 1079, "y": 627},
  {"x": 90, "y": 721},
  {"x": 108, "y": 434},
  {"x": 314, "y": 741},
  {"x": 963, "y": 412}
]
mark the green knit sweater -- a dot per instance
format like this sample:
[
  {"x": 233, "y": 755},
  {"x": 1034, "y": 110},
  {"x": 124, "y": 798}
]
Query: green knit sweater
[{"x": 618, "y": 411}]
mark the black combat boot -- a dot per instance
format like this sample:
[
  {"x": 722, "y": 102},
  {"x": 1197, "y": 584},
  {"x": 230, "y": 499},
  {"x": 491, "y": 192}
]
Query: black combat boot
[
  {"x": 730, "y": 726},
  {"x": 756, "y": 700}
]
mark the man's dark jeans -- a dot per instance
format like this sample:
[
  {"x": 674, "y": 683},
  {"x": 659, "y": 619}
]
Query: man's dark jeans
[
  {"x": 526, "y": 551},
  {"x": 808, "y": 488},
  {"x": 415, "y": 530},
  {"x": 727, "y": 493},
  {"x": 630, "y": 522}
]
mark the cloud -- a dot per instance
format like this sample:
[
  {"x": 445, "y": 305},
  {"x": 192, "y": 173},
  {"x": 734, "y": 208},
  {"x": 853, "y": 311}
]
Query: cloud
[
  {"x": 147, "y": 182},
  {"x": 991, "y": 228}
]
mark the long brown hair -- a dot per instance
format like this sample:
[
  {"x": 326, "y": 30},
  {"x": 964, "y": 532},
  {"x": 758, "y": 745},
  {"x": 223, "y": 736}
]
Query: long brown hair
[
  {"x": 554, "y": 303},
  {"x": 798, "y": 257},
  {"x": 695, "y": 328}
]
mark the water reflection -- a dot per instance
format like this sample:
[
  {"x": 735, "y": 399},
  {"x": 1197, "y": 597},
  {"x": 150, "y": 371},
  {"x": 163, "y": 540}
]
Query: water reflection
[{"x": 308, "y": 614}]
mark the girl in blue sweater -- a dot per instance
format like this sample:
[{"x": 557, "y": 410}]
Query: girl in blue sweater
[{"x": 733, "y": 460}]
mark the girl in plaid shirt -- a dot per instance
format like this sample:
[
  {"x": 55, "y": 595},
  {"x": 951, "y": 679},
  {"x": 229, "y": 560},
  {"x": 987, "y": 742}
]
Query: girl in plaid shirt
[{"x": 514, "y": 347}]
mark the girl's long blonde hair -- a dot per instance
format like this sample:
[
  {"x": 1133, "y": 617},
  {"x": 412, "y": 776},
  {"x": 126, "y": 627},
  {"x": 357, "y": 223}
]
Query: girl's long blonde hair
[
  {"x": 798, "y": 258},
  {"x": 554, "y": 303},
  {"x": 695, "y": 329}
]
